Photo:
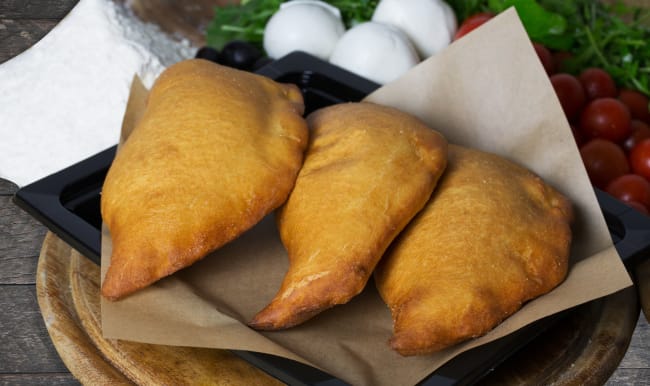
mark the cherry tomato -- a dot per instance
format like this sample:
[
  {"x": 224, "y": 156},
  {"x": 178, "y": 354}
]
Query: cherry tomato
[
  {"x": 570, "y": 93},
  {"x": 604, "y": 161},
  {"x": 640, "y": 159},
  {"x": 606, "y": 118},
  {"x": 637, "y": 103},
  {"x": 560, "y": 58},
  {"x": 472, "y": 23},
  {"x": 630, "y": 188},
  {"x": 598, "y": 84},
  {"x": 545, "y": 57},
  {"x": 577, "y": 136},
  {"x": 640, "y": 131}
]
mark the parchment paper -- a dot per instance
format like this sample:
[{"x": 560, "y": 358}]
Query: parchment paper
[{"x": 487, "y": 90}]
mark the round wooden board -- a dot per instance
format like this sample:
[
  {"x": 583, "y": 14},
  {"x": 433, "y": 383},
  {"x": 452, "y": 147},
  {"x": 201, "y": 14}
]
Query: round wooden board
[
  {"x": 68, "y": 292},
  {"x": 584, "y": 348}
]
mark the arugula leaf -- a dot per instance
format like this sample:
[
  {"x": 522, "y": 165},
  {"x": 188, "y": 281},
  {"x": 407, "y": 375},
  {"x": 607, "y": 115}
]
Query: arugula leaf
[
  {"x": 615, "y": 37},
  {"x": 246, "y": 20},
  {"x": 354, "y": 12},
  {"x": 543, "y": 26}
]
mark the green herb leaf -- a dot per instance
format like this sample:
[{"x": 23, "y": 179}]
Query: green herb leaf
[
  {"x": 615, "y": 37},
  {"x": 245, "y": 21},
  {"x": 543, "y": 26}
]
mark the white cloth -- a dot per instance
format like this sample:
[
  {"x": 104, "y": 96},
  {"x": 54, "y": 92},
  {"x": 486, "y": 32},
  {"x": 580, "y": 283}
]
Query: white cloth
[{"x": 62, "y": 100}]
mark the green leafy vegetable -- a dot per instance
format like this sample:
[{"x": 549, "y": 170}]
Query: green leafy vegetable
[
  {"x": 614, "y": 37},
  {"x": 354, "y": 11},
  {"x": 246, "y": 21},
  {"x": 543, "y": 26}
]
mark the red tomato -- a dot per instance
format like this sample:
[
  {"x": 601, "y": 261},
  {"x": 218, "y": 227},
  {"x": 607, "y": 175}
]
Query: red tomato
[
  {"x": 472, "y": 23},
  {"x": 597, "y": 84},
  {"x": 606, "y": 118},
  {"x": 630, "y": 188},
  {"x": 604, "y": 161},
  {"x": 637, "y": 103},
  {"x": 570, "y": 93},
  {"x": 640, "y": 131},
  {"x": 559, "y": 58},
  {"x": 577, "y": 136},
  {"x": 545, "y": 57},
  {"x": 640, "y": 159}
]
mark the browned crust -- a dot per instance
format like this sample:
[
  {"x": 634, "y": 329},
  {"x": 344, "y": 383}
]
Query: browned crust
[
  {"x": 368, "y": 170},
  {"x": 216, "y": 150},
  {"x": 492, "y": 237}
]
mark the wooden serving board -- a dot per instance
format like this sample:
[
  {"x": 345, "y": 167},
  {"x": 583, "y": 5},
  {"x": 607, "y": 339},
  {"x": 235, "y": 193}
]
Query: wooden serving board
[
  {"x": 67, "y": 287},
  {"x": 584, "y": 348}
]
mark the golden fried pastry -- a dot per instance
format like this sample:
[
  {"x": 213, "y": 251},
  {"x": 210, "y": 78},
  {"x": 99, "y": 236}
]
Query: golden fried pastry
[
  {"x": 216, "y": 150},
  {"x": 368, "y": 170},
  {"x": 493, "y": 236}
]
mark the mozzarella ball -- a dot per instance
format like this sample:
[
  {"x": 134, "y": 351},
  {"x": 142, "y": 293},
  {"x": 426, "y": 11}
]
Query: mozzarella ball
[
  {"x": 430, "y": 24},
  {"x": 376, "y": 51},
  {"x": 303, "y": 25}
]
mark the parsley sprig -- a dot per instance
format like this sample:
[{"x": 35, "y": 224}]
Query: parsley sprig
[
  {"x": 615, "y": 37},
  {"x": 246, "y": 20}
]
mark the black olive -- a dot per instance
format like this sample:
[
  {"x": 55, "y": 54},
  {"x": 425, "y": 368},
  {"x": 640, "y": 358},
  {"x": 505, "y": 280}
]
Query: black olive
[
  {"x": 240, "y": 55},
  {"x": 208, "y": 53}
]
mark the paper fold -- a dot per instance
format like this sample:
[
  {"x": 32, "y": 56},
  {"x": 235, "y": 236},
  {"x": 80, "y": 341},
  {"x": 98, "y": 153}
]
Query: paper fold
[{"x": 488, "y": 91}]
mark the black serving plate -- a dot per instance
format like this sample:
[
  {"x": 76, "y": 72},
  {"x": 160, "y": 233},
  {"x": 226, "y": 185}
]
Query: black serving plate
[{"x": 67, "y": 202}]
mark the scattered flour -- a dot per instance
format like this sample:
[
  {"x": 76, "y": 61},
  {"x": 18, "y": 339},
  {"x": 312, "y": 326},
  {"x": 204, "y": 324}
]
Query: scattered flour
[{"x": 63, "y": 99}]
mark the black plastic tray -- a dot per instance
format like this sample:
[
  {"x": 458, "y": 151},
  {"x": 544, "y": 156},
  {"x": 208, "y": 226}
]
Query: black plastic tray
[{"x": 67, "y": 202}]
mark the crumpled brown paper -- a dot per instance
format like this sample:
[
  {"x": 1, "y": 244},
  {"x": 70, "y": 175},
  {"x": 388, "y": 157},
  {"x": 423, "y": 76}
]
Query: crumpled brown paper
[{"x": 488, "y": 91}]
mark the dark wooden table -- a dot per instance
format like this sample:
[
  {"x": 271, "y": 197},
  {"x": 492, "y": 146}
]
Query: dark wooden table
[{"x": 27, "y": 356}]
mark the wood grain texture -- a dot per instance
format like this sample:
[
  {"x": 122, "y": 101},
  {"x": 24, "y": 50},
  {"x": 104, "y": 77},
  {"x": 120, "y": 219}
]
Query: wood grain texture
[
  {"x": 17, "y": 35},
  {"x": 36, "y": 362},
  {"x": 642, "y": 276},
  {"x": 25, "y": 346},
  {"x": 20, "y": 235},
  {"x": 7, "y": 188},
  {"x": 35, "y": 9},
  {"x": 68, "y": 294},
  {"x": 53, "y": 289},
  {"x": 39, "y": 379},
  {"x": 583, "y": 348}
]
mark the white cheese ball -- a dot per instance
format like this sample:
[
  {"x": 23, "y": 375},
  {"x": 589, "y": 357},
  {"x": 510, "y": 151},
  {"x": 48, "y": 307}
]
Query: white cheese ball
[
  {"x": 376, "y": 51},
  {"x": 303, "y": 25},
  {"x": 430, "y": 24}
]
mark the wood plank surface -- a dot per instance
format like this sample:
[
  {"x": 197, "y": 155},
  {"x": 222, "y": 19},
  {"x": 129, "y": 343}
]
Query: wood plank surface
[
  {"x": 26, "y": 345},
  {"x": 39, "y": 379},
  {"x": 27, "y": 355},
  {"x": 35, "y": 9},
  {"x": 23, "y": 23},
  {"x": 19, "y": 248}
]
